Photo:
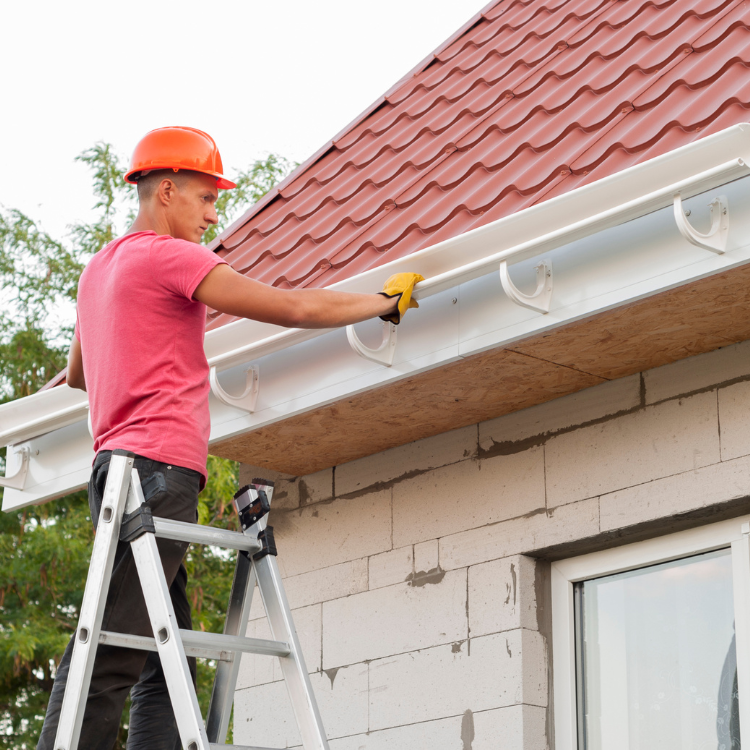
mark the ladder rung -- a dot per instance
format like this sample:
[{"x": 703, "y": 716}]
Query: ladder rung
[
  {"x": 192, "y": 532},
  {"x": 221, "y": 642},
  {"x": 202, "y": 645},
  {"x": 214, "y": 746}
]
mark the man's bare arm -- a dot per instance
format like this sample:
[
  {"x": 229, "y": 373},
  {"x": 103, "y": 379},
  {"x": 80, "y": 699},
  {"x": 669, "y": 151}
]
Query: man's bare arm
[
  {"x": 227, "y": 291},
  {"x": 74, "y": 376}
]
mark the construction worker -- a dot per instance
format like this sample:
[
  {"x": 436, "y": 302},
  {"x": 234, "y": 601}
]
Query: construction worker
[{"x": 138, "y": 351}]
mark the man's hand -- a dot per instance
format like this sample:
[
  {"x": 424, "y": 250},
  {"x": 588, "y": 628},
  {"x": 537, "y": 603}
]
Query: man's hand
[
  {"x": 401, "y": 286},
  {"x": 74, "y": 377},
  {"x": 227, "y": 291}
]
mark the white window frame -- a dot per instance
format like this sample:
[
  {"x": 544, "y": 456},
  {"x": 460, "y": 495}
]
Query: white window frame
[{"x": 733, "y": 534}]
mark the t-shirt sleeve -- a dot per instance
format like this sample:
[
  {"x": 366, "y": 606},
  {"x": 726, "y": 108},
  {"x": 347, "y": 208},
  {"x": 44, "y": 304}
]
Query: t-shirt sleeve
[{"x": 181, "y": 265}]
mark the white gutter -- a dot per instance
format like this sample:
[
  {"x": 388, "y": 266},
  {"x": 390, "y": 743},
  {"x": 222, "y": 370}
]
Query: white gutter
[
  {"x": 451, "y": 251},
  {"x": 636, "y": 192}
]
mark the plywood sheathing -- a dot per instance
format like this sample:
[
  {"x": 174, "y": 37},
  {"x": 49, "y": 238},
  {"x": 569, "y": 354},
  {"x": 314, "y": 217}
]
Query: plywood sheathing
[
  {"x": 696, "y": 318},
  {"x": 691, "y": 319},
  {"x": 443, "y": 399}
]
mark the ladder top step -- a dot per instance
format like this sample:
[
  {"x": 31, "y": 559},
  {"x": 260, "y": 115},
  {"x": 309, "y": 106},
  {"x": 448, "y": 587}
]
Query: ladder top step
[
  {"x": 214, "y": 746},
  {"x": 192, "y": 532}
]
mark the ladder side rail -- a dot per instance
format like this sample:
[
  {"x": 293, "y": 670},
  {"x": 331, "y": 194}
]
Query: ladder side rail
[
  {"x": 225, "y": 679},
  {"x": 293, "y": 666},
  {"x": 238, "y": 614},
  {"x": 94, "y": 600},
  {"x": 166, "y": 631}
]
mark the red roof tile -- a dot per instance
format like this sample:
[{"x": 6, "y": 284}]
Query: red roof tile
[{"x": 531, "y": 99}]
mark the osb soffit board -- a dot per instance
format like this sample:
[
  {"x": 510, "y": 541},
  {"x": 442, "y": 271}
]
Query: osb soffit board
[{"x": 692, "y": 319}]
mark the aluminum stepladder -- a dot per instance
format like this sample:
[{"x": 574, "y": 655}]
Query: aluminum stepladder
[{"x": 124, "y": 515}]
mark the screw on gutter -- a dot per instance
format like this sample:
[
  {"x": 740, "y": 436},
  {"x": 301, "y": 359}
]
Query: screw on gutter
[
  {"x": 454, "y": 300},
  {"x": 688, "y": 212}
]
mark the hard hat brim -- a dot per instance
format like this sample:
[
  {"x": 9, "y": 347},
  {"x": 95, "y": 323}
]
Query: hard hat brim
[{"x": 221, "y": 182}]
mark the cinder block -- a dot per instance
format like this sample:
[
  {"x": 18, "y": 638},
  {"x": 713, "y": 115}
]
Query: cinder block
[
  {"x": 426, "y": 556},
  {"x": 664, "y": 498},
  {"x": 695, "y": 373},
  {"x": 259, "y": 670},
  {"x": 489, "y": 672},
  {"x": 286, "y": 491},
  {"x": 514, "y": 727},
  {"x": 445, "y": 734},
  {"x": 562, "y": 413},
  {"x": 567, "y": 523},
  {"x": 263, "y": 715},
  {"x": 657, "y": 441},
  {"x": 391, "y": 567},
  {"x": 319, "y": 536},
  {"x": 467, "y": 495},
  {"x": 734, "y": 418},
  {"x": 315, "y": 488},
  {"x": 319, "y": 586},
  {"x": 395, "y": 619},
  {"x": 502, "y": 595},
  {"x": 521, "y": 728},
  {"x": 421, "y": 455},
  {"x": 327, "y": 583}
]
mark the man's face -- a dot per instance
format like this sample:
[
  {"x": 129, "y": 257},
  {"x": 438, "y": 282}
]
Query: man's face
[{"x": 192, "y": 208}]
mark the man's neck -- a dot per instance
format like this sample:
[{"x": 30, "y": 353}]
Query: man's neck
[{"x": 146, "y": 221}]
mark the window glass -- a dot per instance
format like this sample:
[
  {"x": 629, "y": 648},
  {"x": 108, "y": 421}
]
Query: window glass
[{"x": 656, "y": 658}]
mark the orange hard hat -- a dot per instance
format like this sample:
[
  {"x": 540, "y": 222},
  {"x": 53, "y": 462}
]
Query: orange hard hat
[{"x": 178, "y": 148}]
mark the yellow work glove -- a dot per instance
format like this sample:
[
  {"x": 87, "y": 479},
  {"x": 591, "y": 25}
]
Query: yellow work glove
[{"x": 400, "y": 285}]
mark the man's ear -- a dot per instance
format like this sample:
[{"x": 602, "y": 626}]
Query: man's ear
[{"x": 166, "y": 190}]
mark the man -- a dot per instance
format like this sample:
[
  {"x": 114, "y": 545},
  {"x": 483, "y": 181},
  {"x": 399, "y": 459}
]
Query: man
[{"x": 138, "y": 351}]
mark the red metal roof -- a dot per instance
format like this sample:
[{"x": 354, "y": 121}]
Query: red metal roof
[{"x": 531, "y": 99}]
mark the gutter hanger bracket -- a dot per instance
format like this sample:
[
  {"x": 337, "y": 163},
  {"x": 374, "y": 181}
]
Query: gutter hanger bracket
[
  {"x": 18, "y": 480},
  {"x": 715, "y": 239},
  {"x": 384, "y": 353},
  {"x": 247, "y": 400},
  {"x": 542, "y": 296}
]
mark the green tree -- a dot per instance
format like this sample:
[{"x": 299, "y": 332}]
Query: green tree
[{"x": 45, "y": 549}]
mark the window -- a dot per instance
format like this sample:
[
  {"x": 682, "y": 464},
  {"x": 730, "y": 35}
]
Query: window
[{"x": 644, "y": 643}]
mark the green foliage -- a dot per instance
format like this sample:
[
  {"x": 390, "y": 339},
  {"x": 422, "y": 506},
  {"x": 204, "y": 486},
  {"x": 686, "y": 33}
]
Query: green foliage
[
  {"x": 45, "y": 550},
  {"x": 45, "y": 553},
  {"x": 116, "y": 200}
]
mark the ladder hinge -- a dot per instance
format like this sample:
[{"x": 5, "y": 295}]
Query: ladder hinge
[
  {"x": 269, "y": 543},
  {"x": 136, "y": 524},
  {"x": 251, "y": 504}
]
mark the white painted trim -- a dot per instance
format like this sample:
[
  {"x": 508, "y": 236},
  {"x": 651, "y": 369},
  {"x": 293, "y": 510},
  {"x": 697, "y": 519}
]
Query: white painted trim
[{"x": 564, "y": 573}]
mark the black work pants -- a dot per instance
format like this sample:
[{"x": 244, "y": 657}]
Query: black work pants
[{"x": 119, "y": 671}]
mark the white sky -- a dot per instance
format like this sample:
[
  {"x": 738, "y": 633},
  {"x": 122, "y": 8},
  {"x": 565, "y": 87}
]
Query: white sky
[{"x": 259, "y": 76}]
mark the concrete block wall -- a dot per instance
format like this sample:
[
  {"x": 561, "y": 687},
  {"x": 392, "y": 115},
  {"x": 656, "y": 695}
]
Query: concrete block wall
[{"x": 418, "y": 575}]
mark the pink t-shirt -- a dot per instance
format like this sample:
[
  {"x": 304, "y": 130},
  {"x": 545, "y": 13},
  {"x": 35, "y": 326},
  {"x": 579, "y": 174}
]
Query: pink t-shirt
[{"x": 141, "y": 335}]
